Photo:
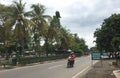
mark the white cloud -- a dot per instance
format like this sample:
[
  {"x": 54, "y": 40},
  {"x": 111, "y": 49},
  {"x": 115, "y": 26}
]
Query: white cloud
[{"x": 80, "y": 16}]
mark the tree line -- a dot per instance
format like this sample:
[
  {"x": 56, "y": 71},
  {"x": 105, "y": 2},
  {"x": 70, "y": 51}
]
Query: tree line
[
  {"x": 32, "y": 30},
  {"x": 108, "y": 35}
]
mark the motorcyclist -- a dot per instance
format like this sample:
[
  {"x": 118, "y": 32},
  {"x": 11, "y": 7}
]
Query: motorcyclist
[{"x": 72, "y": 57}]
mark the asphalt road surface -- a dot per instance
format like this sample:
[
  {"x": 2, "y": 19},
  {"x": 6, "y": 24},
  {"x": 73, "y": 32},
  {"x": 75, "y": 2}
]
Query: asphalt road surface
[{"x": 54, "y": 69}]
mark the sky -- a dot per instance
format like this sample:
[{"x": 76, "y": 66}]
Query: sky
[{"x": 78, "y": 16}]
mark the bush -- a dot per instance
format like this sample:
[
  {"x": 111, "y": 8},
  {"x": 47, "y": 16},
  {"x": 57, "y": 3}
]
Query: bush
[
  {"x": 14, "y": 61},
  {"x": 6, "y": 62},
  {"x": 28, "y": 60}
]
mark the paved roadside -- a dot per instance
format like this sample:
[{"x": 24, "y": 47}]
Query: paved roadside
[{"x": 102, "y": 71}]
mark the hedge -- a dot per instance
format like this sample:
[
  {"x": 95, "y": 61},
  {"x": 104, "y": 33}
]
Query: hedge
[{"x": 29, "y": 60}]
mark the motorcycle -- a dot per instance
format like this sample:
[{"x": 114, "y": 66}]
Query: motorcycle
[{"x": 70, "y": 63}]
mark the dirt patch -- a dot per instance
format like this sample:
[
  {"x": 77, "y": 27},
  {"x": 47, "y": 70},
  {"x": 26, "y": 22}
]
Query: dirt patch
[{"x": 102, "y": 70}]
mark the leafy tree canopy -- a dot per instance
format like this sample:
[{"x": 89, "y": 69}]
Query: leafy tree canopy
[{"x": 107, "y": 34}]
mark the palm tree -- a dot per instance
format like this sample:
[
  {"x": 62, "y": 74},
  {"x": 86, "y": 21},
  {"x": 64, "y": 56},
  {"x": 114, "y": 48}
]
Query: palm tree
[
  {"x": 5, "y": 28},
  {"x": 58, "y": 34},
  {"x": 41, "y": 25},
  {"x": 53, "y": 34},
  {"x": 18, "y": 21},
  {"x": 66, "y": 39}
]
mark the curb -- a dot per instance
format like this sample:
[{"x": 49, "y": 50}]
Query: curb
[{"x": 116, "y": 73}]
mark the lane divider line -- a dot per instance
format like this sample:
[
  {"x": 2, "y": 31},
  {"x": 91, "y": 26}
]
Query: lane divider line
[
  {"x": 80, "y": 72},
  {"x": 83, "y": 70}
]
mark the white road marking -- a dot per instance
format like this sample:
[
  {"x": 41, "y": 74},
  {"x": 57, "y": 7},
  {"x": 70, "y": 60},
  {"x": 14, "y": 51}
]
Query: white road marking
[
  {"x": 80, "y": 72},
  {"x": 83, "y": 69},
  {"x": 52, "y": 67}
]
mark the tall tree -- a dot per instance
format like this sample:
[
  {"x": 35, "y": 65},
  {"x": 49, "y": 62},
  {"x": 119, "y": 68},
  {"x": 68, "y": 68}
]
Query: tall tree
[
  {"x": 19, "y": 23},
  {"x": 79, "y": 45},
  {"x": 66, "y": 39},
  {"x": 40, "y": 28},
  {"x": 105, "y": 35},
  {"x": 6, "y": 34}
]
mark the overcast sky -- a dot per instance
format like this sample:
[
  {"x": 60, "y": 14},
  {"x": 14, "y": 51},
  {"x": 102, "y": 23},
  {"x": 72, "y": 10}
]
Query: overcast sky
[{"x": 79, "y": 16}]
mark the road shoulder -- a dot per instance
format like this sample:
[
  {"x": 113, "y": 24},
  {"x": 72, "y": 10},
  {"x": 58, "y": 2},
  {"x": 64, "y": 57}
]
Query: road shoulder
[{"x": 102, "y": 71}]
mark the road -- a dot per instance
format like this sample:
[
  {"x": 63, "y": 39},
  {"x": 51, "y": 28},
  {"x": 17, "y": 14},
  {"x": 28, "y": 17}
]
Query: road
[{"x": 54, "y": 69}]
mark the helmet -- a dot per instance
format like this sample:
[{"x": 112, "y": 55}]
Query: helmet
[{"x": 72, "y": 53}]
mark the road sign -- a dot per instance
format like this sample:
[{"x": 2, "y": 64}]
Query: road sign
[
  {"x": 96, "y": 55},
  {"x": 105, "y": 53}
]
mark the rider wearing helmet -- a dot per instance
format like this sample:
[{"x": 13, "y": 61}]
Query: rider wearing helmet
[{"x": 72, "y": 57}]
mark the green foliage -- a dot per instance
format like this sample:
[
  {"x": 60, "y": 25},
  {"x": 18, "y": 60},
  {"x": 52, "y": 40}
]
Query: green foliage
[
  {"x": 6, "y": 62},
  {"x": 66, "y": 39},
  {"x": 28, "y": 60},
  {"x": 40, "y": 27},
  {"x": 29, "y": 29},
  {"x": 93, "y": 49},
  {"x": 115, "y": 43},
  {"x": 105, "y": 35},
  {"x": 2, "y": 47},
  {"x": 1, "y": 34},
  {"x": 79, "y": 45}
]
